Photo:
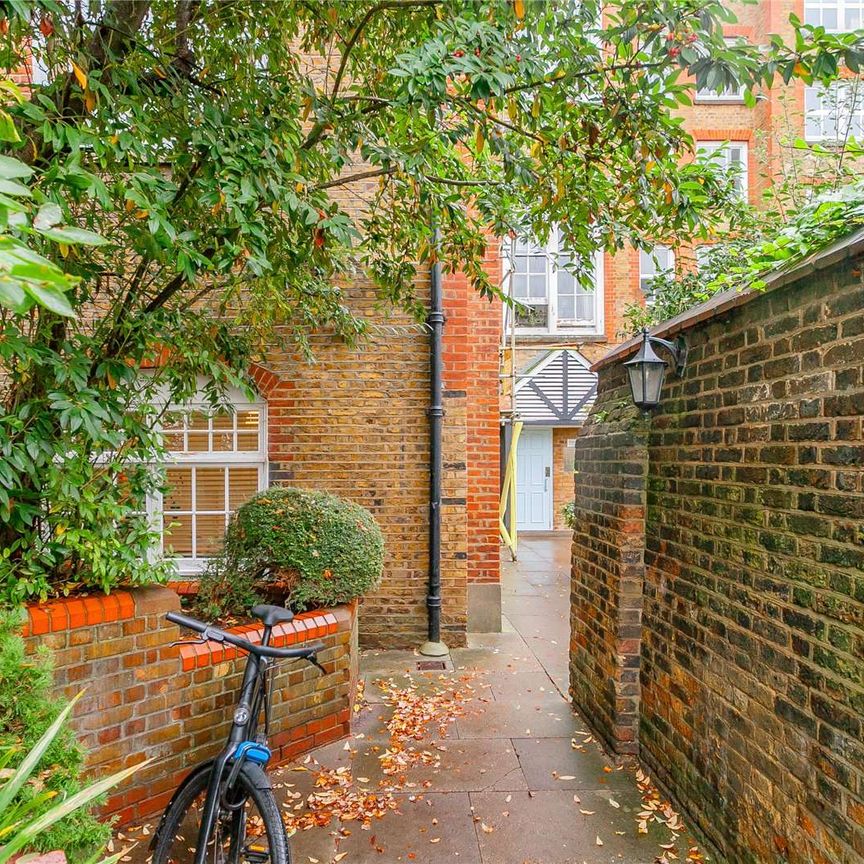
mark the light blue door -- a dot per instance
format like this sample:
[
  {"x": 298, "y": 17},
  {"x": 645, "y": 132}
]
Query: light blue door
[{"x": 534, "y": 480}]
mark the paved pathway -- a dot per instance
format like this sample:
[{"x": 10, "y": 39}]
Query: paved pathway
[{"x": 519, "y": 781}]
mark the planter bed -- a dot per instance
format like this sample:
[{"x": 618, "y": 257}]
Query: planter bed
[{"x": 146, "y": 698}]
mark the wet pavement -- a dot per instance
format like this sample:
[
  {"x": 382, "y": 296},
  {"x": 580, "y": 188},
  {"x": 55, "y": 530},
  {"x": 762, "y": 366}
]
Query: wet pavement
[
  {"x": 518, "y": 779},
  {"x": 483, "y": 762}
]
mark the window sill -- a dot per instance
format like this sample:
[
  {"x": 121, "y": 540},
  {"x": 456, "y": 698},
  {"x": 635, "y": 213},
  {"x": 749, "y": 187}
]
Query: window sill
[
  {"x": 560, "y": 338},
  {"x": 719, "y": 100}
]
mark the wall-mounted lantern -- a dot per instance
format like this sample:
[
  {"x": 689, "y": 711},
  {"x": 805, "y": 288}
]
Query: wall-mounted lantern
[{"x": 647, "y": 371}]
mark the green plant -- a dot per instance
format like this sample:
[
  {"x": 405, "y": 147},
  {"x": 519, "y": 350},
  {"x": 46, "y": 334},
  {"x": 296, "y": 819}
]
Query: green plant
[
  {"x": 28, "y": 822},
  {"x": 568, "y": 511},
  {"x": 204, "y": 142},
  {"x": 318, "y": 549},
  {"x": 28, "y": 713}
]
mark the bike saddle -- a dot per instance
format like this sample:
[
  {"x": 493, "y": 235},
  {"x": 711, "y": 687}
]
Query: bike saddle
[{"x": 270, "y": 615}]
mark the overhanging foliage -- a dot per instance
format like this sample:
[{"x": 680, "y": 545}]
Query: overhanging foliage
[{"x": 221, "y": 148}]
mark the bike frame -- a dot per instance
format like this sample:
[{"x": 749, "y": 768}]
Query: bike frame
[{"x": 254, "y": 696}]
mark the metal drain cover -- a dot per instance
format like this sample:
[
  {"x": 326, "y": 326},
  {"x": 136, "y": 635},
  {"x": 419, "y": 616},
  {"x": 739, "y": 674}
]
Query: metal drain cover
[{"x": 430, "y": 665}]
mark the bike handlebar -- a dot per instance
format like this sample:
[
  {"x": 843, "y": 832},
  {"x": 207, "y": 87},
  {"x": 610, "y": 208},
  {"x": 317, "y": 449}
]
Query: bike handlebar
[{"x": 208, "y": 631}]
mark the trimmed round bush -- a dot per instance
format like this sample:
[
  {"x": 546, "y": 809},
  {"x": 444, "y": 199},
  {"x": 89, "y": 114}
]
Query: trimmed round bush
[{"x": 319, "y": 550}]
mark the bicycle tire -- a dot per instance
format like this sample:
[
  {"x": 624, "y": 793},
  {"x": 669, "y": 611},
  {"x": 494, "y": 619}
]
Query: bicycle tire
[{"x": 254, "y": 785}]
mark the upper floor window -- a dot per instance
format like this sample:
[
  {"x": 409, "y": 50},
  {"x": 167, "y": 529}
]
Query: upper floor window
[
  {"x": 658, "y": 262},
  {"x": 835, "y": 16},
  {"x": 550, "y": 298},
  {"x": 218, "y": 460},
  {"x": 729, "y": 94},
  {"x": 731, "y": 157},
  {"x": 834, "y": 113}
]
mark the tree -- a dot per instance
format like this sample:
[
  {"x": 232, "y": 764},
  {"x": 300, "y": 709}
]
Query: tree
[
  {"x": 813, "y": 196},
  {"x": 204, "y": 140}
]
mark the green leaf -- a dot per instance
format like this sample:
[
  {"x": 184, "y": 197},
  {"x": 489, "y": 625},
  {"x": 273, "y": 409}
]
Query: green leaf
[
  {"x": 31, "y": 760},
  {"x": 50, "y": 298},
  {"x": 8, "y": 132},
  {"x": 48, "y": 216},
  {"x": 12, "y": 168},
  {"x": 11, "y": 187},
  {"x": 13, "y": 296},
  {"x": 70, "y": 234},
  {"x": 74, "y": 802}
]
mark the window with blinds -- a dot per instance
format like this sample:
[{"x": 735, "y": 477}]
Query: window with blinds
[{"x": 218, "y": 461}]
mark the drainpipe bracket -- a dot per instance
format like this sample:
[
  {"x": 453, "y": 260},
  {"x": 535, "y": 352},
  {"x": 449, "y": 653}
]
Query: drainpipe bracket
[{"x": 434, "y": 318}]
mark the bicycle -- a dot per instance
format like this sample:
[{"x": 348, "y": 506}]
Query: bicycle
[{"x": 227, "y": 802}]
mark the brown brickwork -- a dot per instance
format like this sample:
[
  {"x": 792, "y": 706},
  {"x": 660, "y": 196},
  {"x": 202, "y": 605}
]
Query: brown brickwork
[
  {"x": 355, "y": 422},
  {"x": 751, "y": 706},
  {"x": 608, "y": 543},
  {"x": 562, "y": 476},
  {"x": 147, "y": 699}
]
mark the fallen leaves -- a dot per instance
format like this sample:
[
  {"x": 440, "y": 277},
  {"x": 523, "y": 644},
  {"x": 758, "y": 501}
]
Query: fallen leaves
[
  {"x": 338, "y": 795},
  {"x": 656, "y": 809}
]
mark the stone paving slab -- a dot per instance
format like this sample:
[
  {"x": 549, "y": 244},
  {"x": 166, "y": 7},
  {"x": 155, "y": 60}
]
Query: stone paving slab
[
  {"x": 434, "y": 828},
  {"x": 553, "y": 764},
  {"x": 495, "y": 660},
  {"x": 548, "y": 828},
  {"x": 472, "y": 765},
  {"x": 506, "y": 686},
  {"x": 549, "y": 717}
]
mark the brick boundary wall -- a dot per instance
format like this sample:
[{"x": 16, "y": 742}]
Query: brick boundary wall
[
  {"x": 146, "y": 698},
  {"x": 608, "y": 543},
  {"x": 751, "y": 647}
]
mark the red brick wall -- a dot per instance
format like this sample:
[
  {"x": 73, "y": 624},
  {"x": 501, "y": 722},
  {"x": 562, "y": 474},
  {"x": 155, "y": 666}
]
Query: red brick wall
[
  {"x": 751, "y": 704},
  {"x": 482, "y": 341},
  {"x": 148, "y": 699}
]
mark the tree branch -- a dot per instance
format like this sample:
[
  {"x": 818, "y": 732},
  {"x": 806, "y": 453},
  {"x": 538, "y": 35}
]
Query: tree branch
[
  {"x": 352, "y": 178},
  {"x": 317, "y": 129}
]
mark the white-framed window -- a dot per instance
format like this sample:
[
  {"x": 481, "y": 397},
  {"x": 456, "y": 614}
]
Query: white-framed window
[
  {"x": 549, "y": 297},
  {"x": 218, "y": 460},
  {"x": 732, "y": 157},
  {"x": 835, "y": 113},
  {"x": 729, "y": 94},
  {"x": 659, "y": 261},
  {"x": 836, "y": 16}
]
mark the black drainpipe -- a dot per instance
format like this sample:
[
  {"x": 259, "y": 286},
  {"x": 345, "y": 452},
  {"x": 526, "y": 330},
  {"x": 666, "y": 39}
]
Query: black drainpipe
[{"x": 435, "y": 320}]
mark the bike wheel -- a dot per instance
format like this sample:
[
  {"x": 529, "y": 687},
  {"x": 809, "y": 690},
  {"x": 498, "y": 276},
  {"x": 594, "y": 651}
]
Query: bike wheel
[{"x": 253, "y": 833}]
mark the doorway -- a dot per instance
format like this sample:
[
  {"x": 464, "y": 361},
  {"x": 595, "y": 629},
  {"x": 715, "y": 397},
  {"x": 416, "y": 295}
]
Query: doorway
[{"x": 534, "y": 480}]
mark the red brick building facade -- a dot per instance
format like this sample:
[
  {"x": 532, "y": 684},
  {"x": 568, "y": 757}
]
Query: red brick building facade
[{"x": 756, "y": 140}]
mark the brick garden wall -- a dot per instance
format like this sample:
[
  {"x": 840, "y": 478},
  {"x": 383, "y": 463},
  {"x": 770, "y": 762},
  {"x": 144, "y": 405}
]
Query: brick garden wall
[
  {"x": 606, "y": 590},
  {"x": 148, "y": 699},
  {"x": 751, "y": 645}
]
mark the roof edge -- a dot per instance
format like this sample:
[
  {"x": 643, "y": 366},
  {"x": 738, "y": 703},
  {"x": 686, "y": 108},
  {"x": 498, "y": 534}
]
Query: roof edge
[{"x": 840, "y": 250}]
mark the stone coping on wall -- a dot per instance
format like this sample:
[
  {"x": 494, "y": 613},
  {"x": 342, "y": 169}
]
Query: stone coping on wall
[
  {"x": 149, "y": 696},
  {"x": 305, "y": 627},
  {"x": 850, "y": 246},
  {"x": 70, "y": 613}
]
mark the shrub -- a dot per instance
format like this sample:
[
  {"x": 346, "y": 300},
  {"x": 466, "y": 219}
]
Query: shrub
[
  {"x": 312, "y": 547},
  {"x": 569, "y": 513},
  {"x": 27, "y": 710}
]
